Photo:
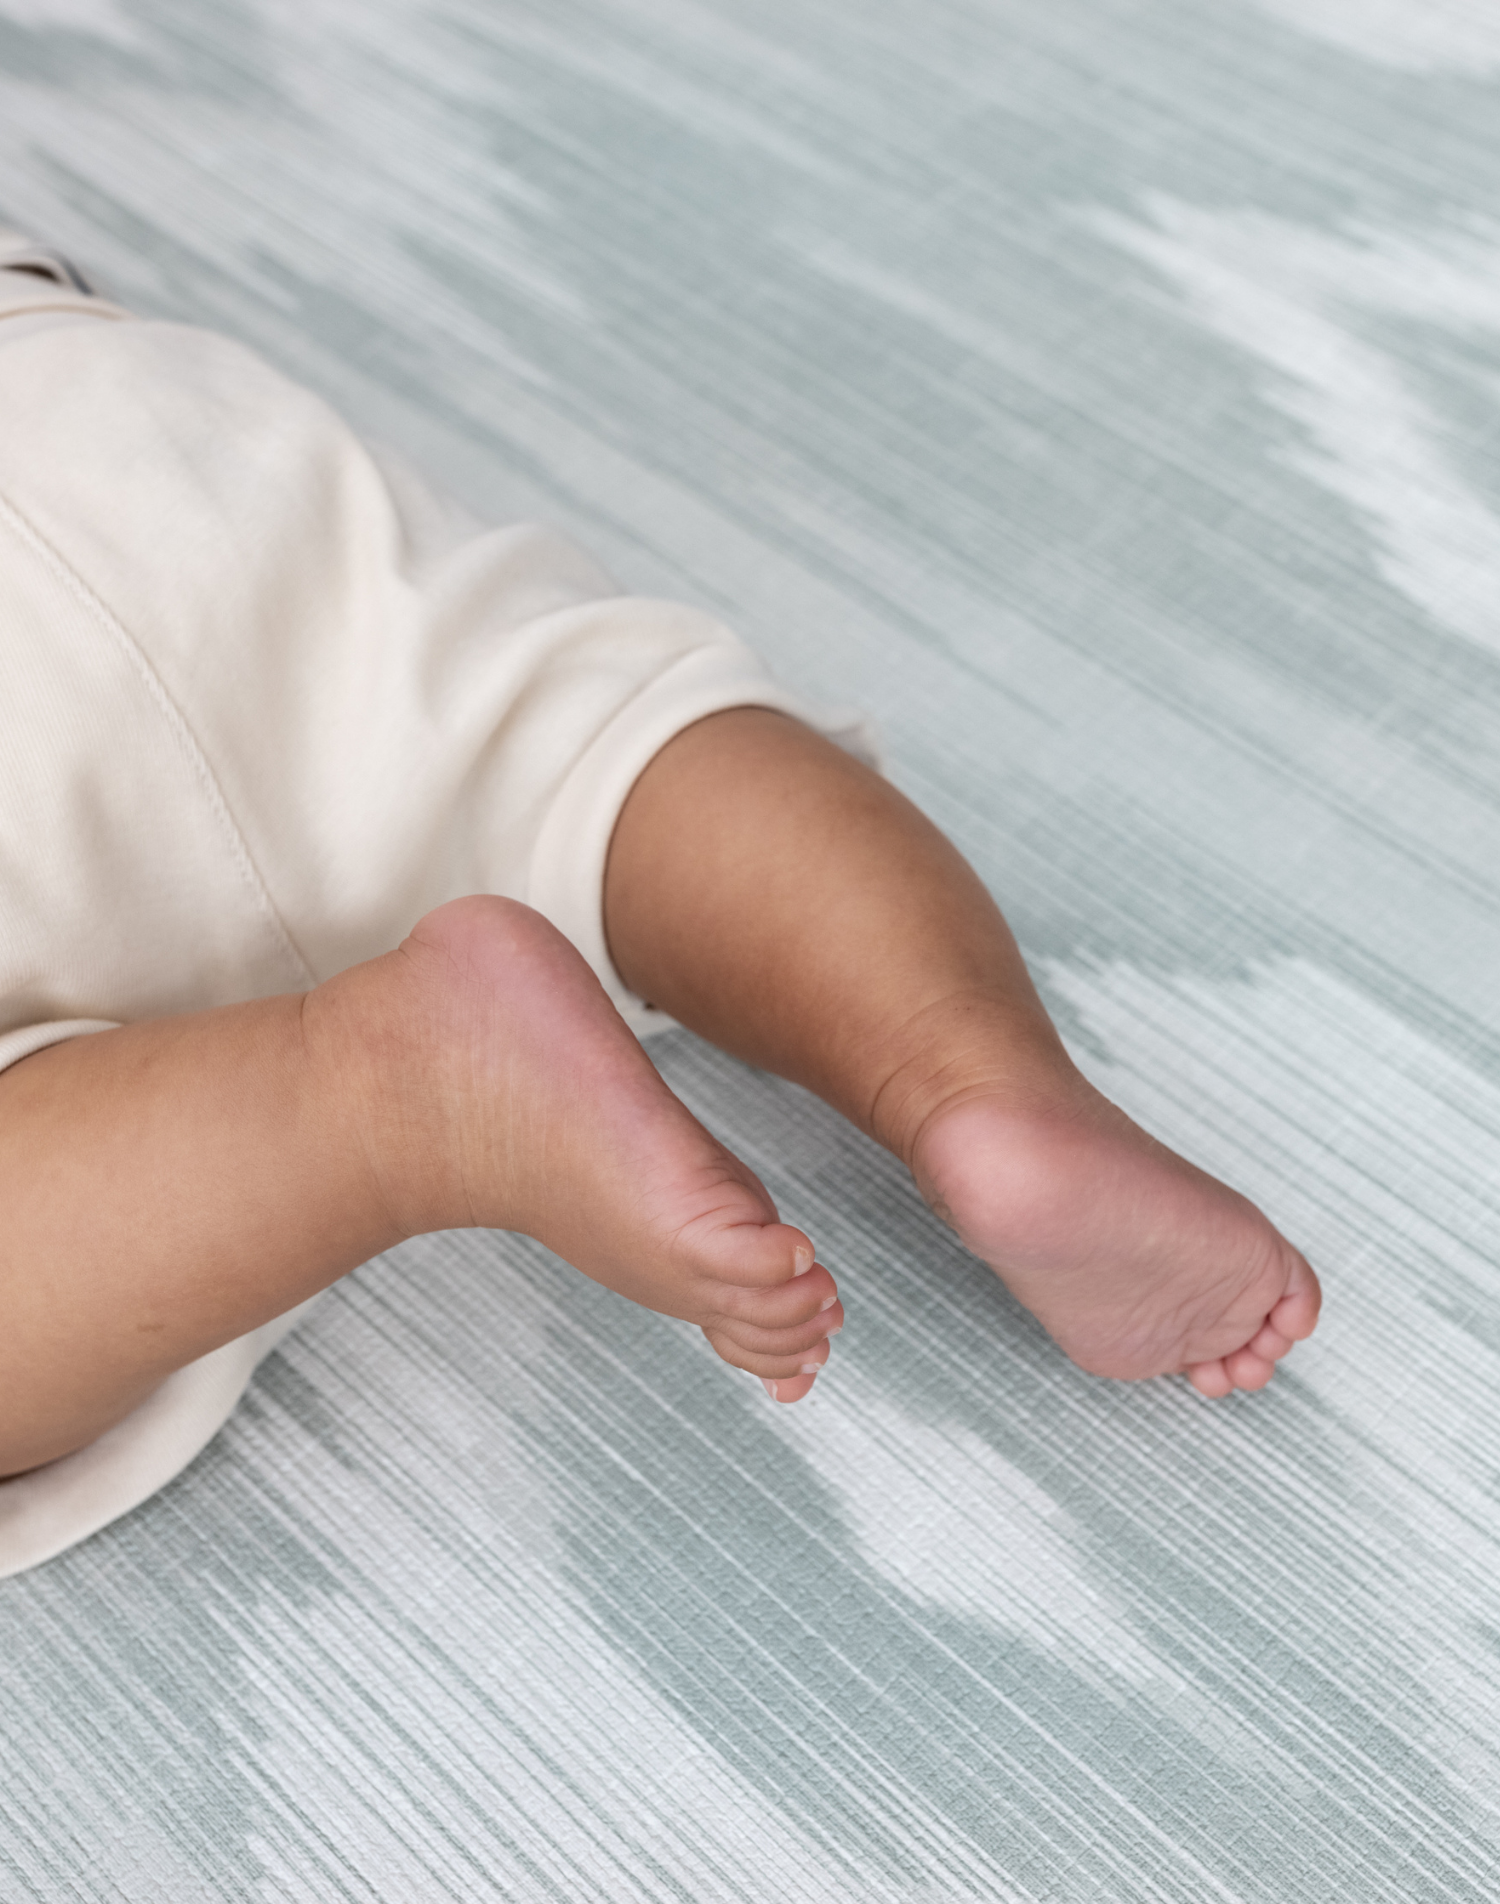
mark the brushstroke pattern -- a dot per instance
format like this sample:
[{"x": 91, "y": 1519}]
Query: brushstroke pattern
[{"x": 1103, "y": 397}]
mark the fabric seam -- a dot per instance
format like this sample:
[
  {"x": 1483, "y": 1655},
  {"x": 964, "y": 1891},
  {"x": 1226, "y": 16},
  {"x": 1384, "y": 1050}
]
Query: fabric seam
[{"x": 176, "y": 720}]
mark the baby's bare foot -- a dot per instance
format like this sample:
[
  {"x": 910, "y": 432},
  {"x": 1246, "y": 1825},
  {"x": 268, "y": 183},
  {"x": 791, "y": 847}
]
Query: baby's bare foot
[
  {"x": 1136, "y": 1262},
  {"x": 531, "y": 1107}
]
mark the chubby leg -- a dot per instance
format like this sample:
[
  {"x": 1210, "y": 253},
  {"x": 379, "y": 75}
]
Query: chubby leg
[
  {"x": 171, "y": 1185},
  {"x": 776, "y": 896}
]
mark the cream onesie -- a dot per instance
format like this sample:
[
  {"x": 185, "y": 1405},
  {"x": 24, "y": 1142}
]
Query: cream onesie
[{"x": 264, "y": 701}]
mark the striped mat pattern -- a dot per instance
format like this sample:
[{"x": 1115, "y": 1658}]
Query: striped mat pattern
[{"x": 1104, "y": 397}]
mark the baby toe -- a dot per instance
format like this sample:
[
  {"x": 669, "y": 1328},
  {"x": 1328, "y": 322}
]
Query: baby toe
[
  {"x": 1271, "y": 1343},
  {"x": 1247, "y": 1369},
  {"x": 772, "y": 1344},
  {"x": 791, "y": 1389},
  {"x": 780, "y": 1368},
  {"x": 1296, "y": 1315},
  {"x": 761, "y": 1255},
  {"x": 803, "y": 1300},
  {"x": 1211, "y": 1379}
]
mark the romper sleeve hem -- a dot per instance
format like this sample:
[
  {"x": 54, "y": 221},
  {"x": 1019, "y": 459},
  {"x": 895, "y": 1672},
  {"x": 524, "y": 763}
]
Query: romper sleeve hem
[{"x": 566, "y": 876}]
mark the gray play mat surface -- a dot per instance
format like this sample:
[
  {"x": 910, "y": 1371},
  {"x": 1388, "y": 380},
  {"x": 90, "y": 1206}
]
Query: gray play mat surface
[{"x": 1103, "y": 396}]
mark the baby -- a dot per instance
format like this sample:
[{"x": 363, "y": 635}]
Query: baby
[{"x": 346, "y": 847}]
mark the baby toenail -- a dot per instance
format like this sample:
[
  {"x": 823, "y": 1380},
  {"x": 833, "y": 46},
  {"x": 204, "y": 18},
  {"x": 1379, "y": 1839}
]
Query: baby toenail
[
  {"x": 827, "y": 1305},
  {"x": 804, "y": 1258},
  {"x": 769, "y": 1387},
  {"x": 811, "y": 1368}
]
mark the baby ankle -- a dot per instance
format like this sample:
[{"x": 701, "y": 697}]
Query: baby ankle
[
  {"x": 965, "y": 1048},
  {"x": 377, "y": 1048}
]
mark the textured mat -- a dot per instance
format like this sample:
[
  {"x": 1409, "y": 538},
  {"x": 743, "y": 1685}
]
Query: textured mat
[{"x": 1104, "y": 396}]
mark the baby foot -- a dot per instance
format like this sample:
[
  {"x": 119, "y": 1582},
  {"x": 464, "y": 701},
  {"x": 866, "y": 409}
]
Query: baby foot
[
  {"x": 535, "y": 1109},
  {"x": 1135, "y": 1262}
]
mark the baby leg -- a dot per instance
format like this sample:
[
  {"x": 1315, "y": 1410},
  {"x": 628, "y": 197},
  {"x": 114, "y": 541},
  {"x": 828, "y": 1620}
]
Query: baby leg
[
  {"x": 174, "y": 1184},
  {"x": 776, "y": 896}
]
